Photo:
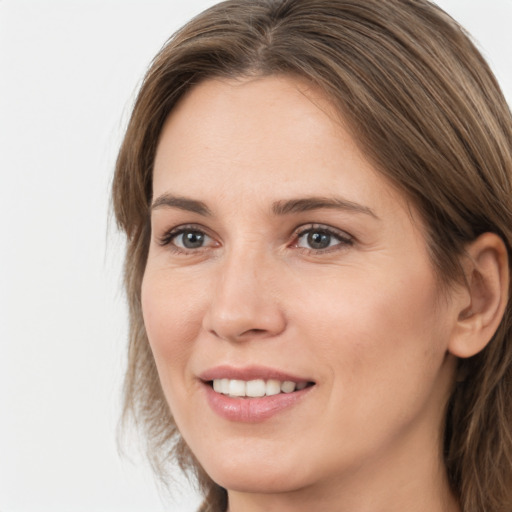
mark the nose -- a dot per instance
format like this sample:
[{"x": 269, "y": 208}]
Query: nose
[{"x": 244, "y": 302}]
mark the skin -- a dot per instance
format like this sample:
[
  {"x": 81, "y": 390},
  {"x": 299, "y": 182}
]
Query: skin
[{"x": 364, "y": 318}]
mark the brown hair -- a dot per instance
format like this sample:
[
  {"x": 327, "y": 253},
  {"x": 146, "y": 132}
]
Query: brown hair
[{"x": 427, "y": 112}]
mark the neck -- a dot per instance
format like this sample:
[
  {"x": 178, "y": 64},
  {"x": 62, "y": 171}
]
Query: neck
[
  {"x": 409, "y": 498},
  {"x": 411, "y": 482}
]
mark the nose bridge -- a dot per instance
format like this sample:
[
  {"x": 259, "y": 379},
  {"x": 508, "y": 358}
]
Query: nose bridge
[{"x": 243, "y": 304}]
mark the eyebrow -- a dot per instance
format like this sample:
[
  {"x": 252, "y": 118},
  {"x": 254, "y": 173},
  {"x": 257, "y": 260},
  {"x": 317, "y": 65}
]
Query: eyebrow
[
  {"x": 306, "y": 204},
  {"x": 280, "y": 208},
  {"x": 182, "y": 203}
]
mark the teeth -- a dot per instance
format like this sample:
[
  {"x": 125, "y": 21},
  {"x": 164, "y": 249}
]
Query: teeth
[
  {"x": 255, "y": 388},
  {"x": 237, "y": 388},
  {"x": 273, "y": 387},
  {"x": 288, "y": 386}
]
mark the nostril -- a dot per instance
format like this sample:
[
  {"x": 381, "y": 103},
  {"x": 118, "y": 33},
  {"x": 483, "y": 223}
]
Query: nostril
[{"x": 254, "y": 331}]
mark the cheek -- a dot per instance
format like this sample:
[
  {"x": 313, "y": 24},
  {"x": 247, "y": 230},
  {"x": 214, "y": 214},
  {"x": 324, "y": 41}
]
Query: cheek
[
  {"x": 171, "y": 321},
  {"x": 371, "y": 325},
  {"x": 381, "y": 341}
]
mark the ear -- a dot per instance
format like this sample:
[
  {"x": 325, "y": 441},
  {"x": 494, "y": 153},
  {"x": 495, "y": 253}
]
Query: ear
[{"x": 485, "y": 298}]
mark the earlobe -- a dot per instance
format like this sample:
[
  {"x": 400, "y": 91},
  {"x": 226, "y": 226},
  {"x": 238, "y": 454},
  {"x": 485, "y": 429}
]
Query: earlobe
[{"x": 487, "y": 285}]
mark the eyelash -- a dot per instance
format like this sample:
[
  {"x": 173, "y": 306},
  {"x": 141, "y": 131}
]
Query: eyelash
[
  {"x": 343, "y": 239},
  {"x": 172, "y": 234}
]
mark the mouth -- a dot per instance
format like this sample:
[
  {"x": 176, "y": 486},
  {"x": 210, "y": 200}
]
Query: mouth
[
  {"x": 253, "y": 394},
  {"x": 256, "y": 388}
]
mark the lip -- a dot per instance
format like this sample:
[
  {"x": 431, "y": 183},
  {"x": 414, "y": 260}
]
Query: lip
[
  {"x": 249, "y": 373},
  {"x": 251, "y": 410}
]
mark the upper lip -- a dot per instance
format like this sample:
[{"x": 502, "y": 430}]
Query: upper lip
[{"x": 249, "y": 373}]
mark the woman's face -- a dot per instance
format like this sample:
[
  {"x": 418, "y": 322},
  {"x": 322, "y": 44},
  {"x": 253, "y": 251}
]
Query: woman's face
[{"x": 280, "y": 259}]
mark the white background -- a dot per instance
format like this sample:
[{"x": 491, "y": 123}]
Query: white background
[{"x": 69, "y": 70}]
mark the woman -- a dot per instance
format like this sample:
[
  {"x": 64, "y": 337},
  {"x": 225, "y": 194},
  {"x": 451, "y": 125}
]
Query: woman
[{"x": 317, "y": 200}]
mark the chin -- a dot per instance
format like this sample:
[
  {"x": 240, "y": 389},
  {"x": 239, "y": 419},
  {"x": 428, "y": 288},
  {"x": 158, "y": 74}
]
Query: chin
[
  {"x": 249, "y": 480},
  {"x": 265, "y": 475}
]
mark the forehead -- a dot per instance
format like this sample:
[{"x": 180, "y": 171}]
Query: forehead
[{"x": 236, "y": 137}]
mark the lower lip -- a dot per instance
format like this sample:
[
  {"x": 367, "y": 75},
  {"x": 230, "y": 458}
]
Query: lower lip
[{"x": 252, "y": 410}]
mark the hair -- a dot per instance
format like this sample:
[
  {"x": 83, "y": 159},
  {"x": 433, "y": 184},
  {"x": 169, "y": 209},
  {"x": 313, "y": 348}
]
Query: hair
[{"x": 423, "y": 105}]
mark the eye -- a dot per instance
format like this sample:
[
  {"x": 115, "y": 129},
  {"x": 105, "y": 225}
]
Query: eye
[
  {"x": 187, "y": 239},
  {"x": 322, "y": 238},
  {"x": 190, "y": 239}
]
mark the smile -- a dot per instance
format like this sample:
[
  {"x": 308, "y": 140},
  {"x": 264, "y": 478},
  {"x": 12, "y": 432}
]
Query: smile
[
  {"x": 255, "y": 388},
  {"x": 252, "y": 394}
]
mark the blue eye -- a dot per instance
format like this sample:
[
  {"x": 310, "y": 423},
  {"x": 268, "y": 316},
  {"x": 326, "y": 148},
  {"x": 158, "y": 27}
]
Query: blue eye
[
  {"x": 190, "y": 239},
  {"x": 186, "y": 239},
  {"x": 318, "y": 239}
]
